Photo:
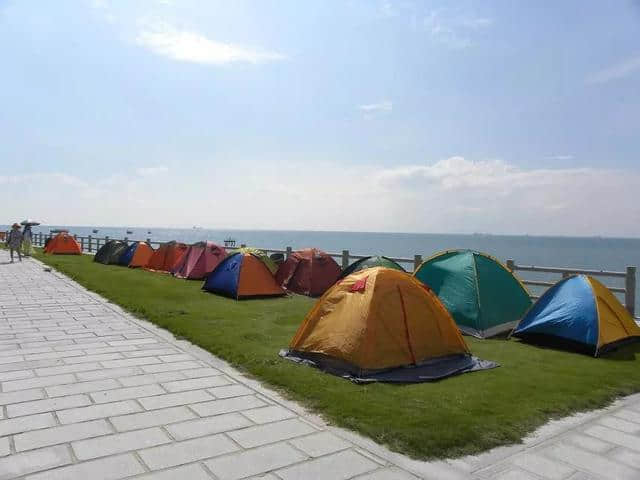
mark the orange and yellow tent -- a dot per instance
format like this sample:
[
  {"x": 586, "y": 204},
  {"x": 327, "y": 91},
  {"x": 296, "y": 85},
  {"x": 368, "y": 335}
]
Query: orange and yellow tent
[
  {"x": 63, "y": 244},
  {"x": 381, "y": 324}
]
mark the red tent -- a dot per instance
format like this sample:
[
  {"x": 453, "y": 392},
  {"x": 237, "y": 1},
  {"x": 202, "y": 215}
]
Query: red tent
[
  {"x": 199, "y": 261},
  {"x": 308, "y": 272}
]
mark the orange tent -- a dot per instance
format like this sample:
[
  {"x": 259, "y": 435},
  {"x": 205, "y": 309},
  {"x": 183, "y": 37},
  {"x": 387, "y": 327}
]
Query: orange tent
[
  {"x": 243, "y": 275},
  {"x": 142, "y": 255},
  {"x": 63, "y": 244},
  {"x": 165, "y": 258},
  {"x": 381, "y": 324}
]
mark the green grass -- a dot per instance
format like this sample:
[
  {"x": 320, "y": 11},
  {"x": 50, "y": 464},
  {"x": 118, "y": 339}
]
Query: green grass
[{"x": 460, "y": 415}]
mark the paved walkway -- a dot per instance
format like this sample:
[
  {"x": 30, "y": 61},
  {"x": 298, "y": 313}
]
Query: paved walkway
[{"x": 89, "y": 392}]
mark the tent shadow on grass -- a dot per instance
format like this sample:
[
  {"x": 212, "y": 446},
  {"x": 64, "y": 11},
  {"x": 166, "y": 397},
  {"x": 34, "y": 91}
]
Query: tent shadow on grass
[{"x": 623, "y": 352}]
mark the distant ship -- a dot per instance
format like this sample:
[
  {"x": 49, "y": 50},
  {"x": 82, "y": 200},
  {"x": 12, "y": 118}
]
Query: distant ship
[
  {"x": 95, "y": 230},
  {"x": 229, "y": 242},
  {"x": 129, "y": 232}
]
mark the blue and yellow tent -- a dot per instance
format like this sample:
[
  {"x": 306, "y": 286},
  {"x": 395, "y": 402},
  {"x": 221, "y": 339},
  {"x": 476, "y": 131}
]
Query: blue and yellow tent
[{"x": 581, "y": 312}]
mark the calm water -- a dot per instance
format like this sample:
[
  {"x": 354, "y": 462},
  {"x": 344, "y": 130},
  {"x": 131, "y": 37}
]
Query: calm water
[{"x": 592, "y": 253}]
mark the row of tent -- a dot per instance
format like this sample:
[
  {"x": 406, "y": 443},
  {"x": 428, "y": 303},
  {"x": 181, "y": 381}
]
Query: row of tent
[{"x": 376, "y": 322}]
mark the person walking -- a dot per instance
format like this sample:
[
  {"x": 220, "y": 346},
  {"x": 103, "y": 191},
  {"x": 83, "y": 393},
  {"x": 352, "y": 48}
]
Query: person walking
[
  {"x": 14, "y": 241},
  {"x": 27, "y": 241}
]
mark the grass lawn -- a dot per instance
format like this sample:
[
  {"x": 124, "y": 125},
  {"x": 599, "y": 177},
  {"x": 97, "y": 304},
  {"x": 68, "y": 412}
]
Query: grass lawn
[{"x": 460, "y": 415}]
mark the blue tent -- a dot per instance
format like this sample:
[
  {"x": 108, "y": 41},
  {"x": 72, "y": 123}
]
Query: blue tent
[
  {"x": 127, "y": 255},
  {"x": 242, "y": 275},
  {"x": 581, "y": 312}
]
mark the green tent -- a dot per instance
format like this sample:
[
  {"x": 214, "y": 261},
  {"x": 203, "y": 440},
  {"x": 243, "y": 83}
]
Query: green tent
[
  {"x": 271, "y": 265},
  {"x": 482, "y": 295},
  {"x": 369, "y": 262},
  {"x": 110, "y": 252}
]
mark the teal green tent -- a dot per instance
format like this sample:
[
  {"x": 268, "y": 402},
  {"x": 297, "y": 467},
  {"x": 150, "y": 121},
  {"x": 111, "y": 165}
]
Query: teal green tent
[{"x": 482, "y": 295}]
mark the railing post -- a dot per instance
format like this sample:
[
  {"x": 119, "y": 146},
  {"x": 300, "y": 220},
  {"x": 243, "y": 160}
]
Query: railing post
[
  {"x": 82, "y": 244},
  {"x": 149, "y": 241},
  {"x": 288, "y": 254},
  {"x": 242, "y": 245},
  {"x": 106, "y": 238},
  {"x": 345, "y": 259},
  {"x": 417, "y": 261},
  {"x": 630, "y": 290},
  {"x": 90, "y": 246},
  {"x": 126, "y": 240},
  {"x": 511, "y": 264}
]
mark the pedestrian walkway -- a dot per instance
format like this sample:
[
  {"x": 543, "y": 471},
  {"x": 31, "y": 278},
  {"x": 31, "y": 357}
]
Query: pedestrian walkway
[{"x": 89, "y": 392}]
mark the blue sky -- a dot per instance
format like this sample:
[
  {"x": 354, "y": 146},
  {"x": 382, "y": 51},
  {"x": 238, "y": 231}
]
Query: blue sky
[{"x": 504, "y": 117}]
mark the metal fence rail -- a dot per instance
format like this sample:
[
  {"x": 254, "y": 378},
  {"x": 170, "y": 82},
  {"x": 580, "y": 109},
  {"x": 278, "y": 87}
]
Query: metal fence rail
[{"x": 91, "y": 244}]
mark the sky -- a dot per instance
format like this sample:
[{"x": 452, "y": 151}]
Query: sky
[{"x": 358, "y": 115}]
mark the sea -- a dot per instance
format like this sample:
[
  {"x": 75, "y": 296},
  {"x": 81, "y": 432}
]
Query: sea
[{"x": 599, "y": 253}]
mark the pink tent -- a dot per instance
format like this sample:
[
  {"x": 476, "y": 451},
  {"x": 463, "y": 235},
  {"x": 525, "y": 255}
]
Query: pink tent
[{"x": 199, "y": 261}]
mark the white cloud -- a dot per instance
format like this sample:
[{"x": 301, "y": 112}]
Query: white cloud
[
  {"x": 560, "y": 157},
  {"x": 615, "y": 72},
  {"x": 186, "y": 46},
  {"x": 451, "y": 195},
  {"x": 380, "y": 107},
  {"x": 452, "y": 29},
  {"x": 151, "y": 171}
]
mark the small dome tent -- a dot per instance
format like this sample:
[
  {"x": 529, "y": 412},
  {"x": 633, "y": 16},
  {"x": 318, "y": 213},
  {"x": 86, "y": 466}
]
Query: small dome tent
[
  {"x": 141, "y": 255},
  {"x": 308, "y": 272},
  {"x": 269, "y": 263},
  {"x": 369, "y": 262},
  {"x": 242, "y": 275},
  {"x": 580, "y": 312},
  {"x": 110, "y": 252},
  {"x": 481, "y": 294},
  {"x": 63, "y": 244},
  {"x": 381, "y": 324},
  {"x": 200, "y": 260},
  {"x": 165, "y": 258}
]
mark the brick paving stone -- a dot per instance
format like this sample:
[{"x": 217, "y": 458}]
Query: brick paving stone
[
  {"x": 104, "y": 410},
  {"x": 174, "y": 399},
  {"x": 21, "y": 396},
  {"x": 338, "y": 466},
  {"x": 207, "y": 426},
  {"x": 588, "y": 442},
  {"x": 319, "y": 444},
  {"x": 271, "y": 432},
  {"x": 387, "y": 474},
  {"x": 110, "y": 468},
  {"x": 217, "y": 407},
  {"x": 179, "y": 453},
  {"x": 47, "y": 405},
  {"x": 254, "y": 462},
  {"x": 619, "y": 424},
  {"x": 193, "y": 471},
  {"x": 126, "y": 393},
  {"x": 154, "y": 418},
  {"x": 5, "y": 447},
  {"x": 62, "y": 434},
  {"x": 82, "y": 387},
  {"x": 542, "y": 466},
  {"x": 594, "y": 464},
  {"x": 196, "y": 383},
  {"x": 272, "y": 413},
  {"x": 24, "y": 424},
  {"x": 119, "y": 443},
  {"x": 610, "y": 435},
  {"x": 13, "y": 385},
  {"x": 145, "y": 379},
  {"x": 231, "y": 391},
  {"x": 19, "y": 464},
  {"x": 626, "y": 456}
]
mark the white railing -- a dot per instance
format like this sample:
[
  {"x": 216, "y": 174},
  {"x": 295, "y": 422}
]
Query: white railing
[{"x": 91, "y": 244}]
